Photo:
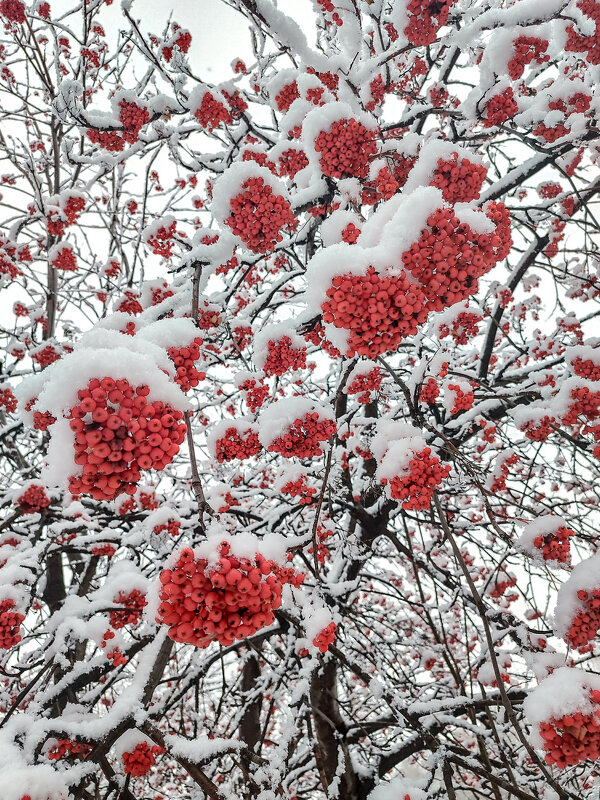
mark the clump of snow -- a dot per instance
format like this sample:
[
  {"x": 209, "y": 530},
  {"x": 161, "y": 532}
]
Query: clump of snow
[{"x": 397, "y": 789}]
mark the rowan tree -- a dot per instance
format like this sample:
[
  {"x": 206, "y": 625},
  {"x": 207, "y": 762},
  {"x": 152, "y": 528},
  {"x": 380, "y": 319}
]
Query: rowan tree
[{"x": 300, "y": 403}]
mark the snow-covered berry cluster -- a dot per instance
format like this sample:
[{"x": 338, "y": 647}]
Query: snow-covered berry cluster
[
  {"x": 67, "y": 748},
  {"x": 118, "y": 433},
  {"x": 33, "y": 499},
  {"x": 211, "y": 112},
  {"x": 133, "y": 604},
  {"x": 378, "y": 312},
  {"x": 460, "y": 181},
  {"x": 132, "y": 118},
  {"x": 326, "y": 637},
  {"x": 572, "y": 738},
  {"x": 583, "y": 43},
  {"x": 13, "y": 10},
  {"x": 527, "y": 49},
  {"x": 449, "y": 257},
  {"x": 417, "y": 483},
  {"x": 555, "y": 546},
  {"x": 304, "y": 436},
  {"x": 7, "y": 400},
  {"x": 291, "y": 161},
  {"x": 256, "y": 392},
  {"x": 258, "y": 216},
  {"x": 365, "y": 384},
  {"x": 141, "y": 759},
  {"x": 283, "y": 356},
  {"x": 231, "y": 600},
  {"x": 299, "y": 488},
  {"x": 586, "y": 622},
  {"x": 62, "y": 256},
  {"x": 500, "y": 108},
  {"x": 237, "y": 443},
  {"x": 425, "y": 18},
  {"x": 10, "y": 623},
  {"x": 64, "y": 211},
  {"x": 185, "y": 359},
  {"x": 346, "y": 149}
]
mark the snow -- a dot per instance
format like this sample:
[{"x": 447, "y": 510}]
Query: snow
[
  {"x": 397, "y": 789},
  {"x": 17, "y": 779},
  {"x": 275, "y": 420},
  {"x": 199, "y": 749}
]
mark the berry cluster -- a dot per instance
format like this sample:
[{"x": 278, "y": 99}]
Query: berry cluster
[
  {"x": 33, "y": 500},
  {"x": 132, "y": 118},
  {"x": 7, "y": 400},
  {"x": 584, "y": 403},
  {"x": 172, "y": 527},
  {"x": 363, "y": 385},
  {"x": 282, "y": 356},
  {"x": 585, "y": 368},
  {"x": 462, "y": 400},
  {"x": 426, "y": 17},
  {"x": 500, "y": 108},
  {"x": 118, "y": 433},
  {"x": 326, "y": 637},
  {"x": 256, "y": 393},
  {"x": 182, "y": 40},
  {"x": 527, "y": 49},
  {"x": 234, "y": 444},
  {"x": 229, "y": 601},
  {"x": 378, "y": 312},
  {"x": 299, "y": 489},
  {"x": 586, "y": 623},
  {"x": 538, "y": 430},
  {"x": 304, "y": 436},
  {"x": 449, "y": 258},
  {"x": 555, "y": 546},
  {"x": 211, "y": 113},
  {"x": 13, "y": 10},
  {"x": 346, "y": 149},
  {"x": 292, "y": 161},
  {"x": 70, "y": 207},
  {"x": 576, "y": 43},
  {"x": 44, "y": 356},
  {"x": 141, "y": 759},
  {"x": 417, "y": 485},
  {"x": 64, "y": 258},
  {"x": 463, "y": 327},
  {"x": 67, "y": 748},
  {"x": 384, "y": 187},
  {"x": 572, "y": 738},
  {"x": 134, "y": 603},
  {"x": 10, "y": 622},
  {"x": 161, "y": 240},
  {"x": 185, "y": 359},
  {"x": 258, "y": 216},
  {"x": 286, "y": 96},
  {"x": 430, "y": 391},
  {"x": 459, "y": 181},
  {"x": 351, "y": 233}
]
